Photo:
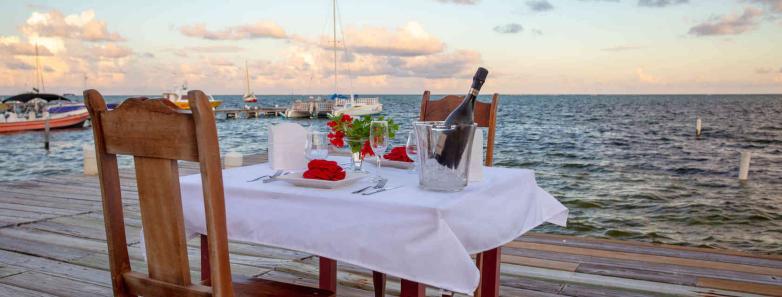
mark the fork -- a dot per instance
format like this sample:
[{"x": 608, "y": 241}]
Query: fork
[
  {"x": 264, "y": 176},
  {"x": 275, "y": 176},
  {"x": 380, "y": 190},
  {"x": 380, "y": 184}
]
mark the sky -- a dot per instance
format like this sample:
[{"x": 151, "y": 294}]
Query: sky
[{"x": 394, "y": 47}]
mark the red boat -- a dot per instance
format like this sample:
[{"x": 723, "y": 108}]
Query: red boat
[{"x": 31, "y": 111}]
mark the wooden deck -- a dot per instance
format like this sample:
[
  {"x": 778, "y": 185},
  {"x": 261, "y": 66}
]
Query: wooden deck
[{"x": 52, "y": 243}]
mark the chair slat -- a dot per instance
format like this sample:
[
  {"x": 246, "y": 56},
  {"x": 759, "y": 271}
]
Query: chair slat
[
  {"x": 162, "y": 219},
  {"x": 438, "y": 110},
  {"x": 150, "y": 128}
]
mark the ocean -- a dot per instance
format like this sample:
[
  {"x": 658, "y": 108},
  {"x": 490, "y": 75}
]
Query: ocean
[{"x": 627, "y": 166}]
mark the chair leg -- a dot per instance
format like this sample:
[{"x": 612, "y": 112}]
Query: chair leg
[
  {"x": 490, "y": 273},
  {"x": 379, "y": 282},
  {"x": 206, "y": 271},
  {"x": 328, "y": 274},
  {"x": 412, "y": 289}
]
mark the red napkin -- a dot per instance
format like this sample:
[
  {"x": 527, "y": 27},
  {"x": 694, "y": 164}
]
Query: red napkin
[
  {"x": 398, "y": 153},
  {"x": 325, "y": 170}
]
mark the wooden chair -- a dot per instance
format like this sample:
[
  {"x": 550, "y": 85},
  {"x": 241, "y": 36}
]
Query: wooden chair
[
  {"x": 485, "y": 116},
  {"x": 157, "y": 134}
]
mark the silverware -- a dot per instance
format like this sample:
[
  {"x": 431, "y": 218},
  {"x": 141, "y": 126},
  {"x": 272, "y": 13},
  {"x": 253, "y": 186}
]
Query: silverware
[
  {"x": 276, "y": 174},
  {"x": 275, "y": 177},
  {"x": 380, "y": 190},
  {"x": 380, "y": 184}
]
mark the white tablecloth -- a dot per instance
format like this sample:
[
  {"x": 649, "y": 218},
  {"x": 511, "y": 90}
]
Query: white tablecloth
[{"x": 407, "y": 232}]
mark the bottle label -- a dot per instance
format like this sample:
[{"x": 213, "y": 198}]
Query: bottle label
[{"x": 473, "y": 92}]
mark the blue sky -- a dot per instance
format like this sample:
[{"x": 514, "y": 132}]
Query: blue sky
[{"x": 536, "y": 46}]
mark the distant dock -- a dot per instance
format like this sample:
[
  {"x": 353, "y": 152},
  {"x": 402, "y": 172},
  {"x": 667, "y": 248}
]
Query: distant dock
[{"x": 248, "y": 113}]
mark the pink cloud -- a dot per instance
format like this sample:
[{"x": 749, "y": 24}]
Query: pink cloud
[
  {"x": 81, "y": 26},
  {"x": 261, "y": 29},
  {"x": 729, "y": 24}
]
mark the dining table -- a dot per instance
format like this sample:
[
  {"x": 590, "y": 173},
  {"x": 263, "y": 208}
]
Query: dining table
[{"x": 425, "y": 238}]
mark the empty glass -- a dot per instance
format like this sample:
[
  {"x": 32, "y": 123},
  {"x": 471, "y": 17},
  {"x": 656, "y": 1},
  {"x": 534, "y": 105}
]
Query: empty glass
[
  {"x": 411, "y": 148},
  {"x": 378, "y": 140},
  {"x": 317, "y": 146}
]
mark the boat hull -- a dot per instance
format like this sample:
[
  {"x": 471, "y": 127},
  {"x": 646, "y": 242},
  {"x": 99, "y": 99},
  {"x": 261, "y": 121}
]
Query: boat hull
[
  {"x": 186, "y": 105},
  {"x": 359, "y": 111},
  {"x": 75, "y": 120}
]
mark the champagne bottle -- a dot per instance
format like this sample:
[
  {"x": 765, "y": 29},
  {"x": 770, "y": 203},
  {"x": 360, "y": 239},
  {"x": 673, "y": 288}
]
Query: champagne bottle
[
  {"x": 463, "y": 114},
  {"x": 451, "y": 145}
]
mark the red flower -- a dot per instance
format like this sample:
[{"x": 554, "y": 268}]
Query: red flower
[
  {"x": 332, "y": 124},
  {"x": 325, "y": 170},
  {"x": 366, "y": 150},
  {"x": 346, "y": 118},
  {"x": 398, "y": 153}
]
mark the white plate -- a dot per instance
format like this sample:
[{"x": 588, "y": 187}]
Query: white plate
[
  {"x": 390, "y": 163},
  {"x": 296, "y": 179}
]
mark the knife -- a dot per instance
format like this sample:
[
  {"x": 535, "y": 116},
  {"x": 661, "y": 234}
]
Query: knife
[{"x": 380, "y": 190}]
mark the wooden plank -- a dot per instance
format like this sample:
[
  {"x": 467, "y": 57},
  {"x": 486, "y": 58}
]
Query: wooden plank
[
  {"x": 64, "y": 269},
  {"x": 658, "y": 249},
  {"x": 564, "y": 239},
  {"x": 6, "y": 270},
  {"x": 647, "y": 258},
  {"x": 637, "y": 264},
  {"x": 612, "y": 283},
  {"x": 40, "y": 249},
  {"x": 640, "y": 274},
  {"x": 55, "y": 285},
  {"x": 542, "y": 263},
  {"x": 9, "y": 290},
  {"x": 725, "y": 284}
]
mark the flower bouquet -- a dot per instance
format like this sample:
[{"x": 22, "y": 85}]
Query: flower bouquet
[{"x": 353, "y": 133}]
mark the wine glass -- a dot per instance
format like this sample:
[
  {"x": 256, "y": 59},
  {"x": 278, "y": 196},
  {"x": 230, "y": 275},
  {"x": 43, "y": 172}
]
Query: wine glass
[
  {"x": 411, "y": 148},
  {"x": 378, "y": 141},
  {"x": 317, "y": 145}
]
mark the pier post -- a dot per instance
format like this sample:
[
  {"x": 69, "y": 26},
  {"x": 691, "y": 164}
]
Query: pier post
[
  {"x": 698, "y": 127},
  {"x": 233, "y": 159},
  {"x": 90, "y": 163},
  {"x": 46, "y": 133},
  {"x": 744, "y": 165}
]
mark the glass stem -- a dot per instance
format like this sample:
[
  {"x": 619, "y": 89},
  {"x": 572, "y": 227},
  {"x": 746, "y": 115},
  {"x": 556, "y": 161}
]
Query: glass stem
[{"x": 378, "y": 165}]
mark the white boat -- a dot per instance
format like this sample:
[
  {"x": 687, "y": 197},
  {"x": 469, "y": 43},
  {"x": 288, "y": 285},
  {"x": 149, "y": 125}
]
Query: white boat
[
  {"x": 249, "y": 96},
  {"x": 340, "y": 104},
  {"x": 357, "y": 106}
]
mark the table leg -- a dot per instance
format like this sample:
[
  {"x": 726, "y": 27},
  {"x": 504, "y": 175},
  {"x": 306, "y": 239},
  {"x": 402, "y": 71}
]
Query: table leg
[
  {"x": 206, "y": 271},
  {"x": 412, "y": 289},
  {"x": 379, "y": 282},
  {"x": 490, "y": 273},
  {"x": 328, "y": 274}
]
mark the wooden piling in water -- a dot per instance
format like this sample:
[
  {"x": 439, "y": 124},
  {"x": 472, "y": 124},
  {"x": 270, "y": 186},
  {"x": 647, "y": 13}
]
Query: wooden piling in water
[
  {"x": 744, "y": 165},
  {"x": 46, "y": 133},
  {"x": 698, "y": 127}
]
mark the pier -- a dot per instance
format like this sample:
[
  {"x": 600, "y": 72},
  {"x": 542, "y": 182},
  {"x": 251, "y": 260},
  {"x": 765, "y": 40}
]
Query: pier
[
  {"x": 248, "y": 113},
  {"x": 52, "y": 243}
]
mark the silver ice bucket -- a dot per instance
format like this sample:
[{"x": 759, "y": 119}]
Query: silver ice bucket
[{"x": 443, "y": 155}]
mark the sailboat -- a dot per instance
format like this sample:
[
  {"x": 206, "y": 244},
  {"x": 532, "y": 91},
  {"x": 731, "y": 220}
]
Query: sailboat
[
  {"x": 35, "y": 110},
  {"x": 339, "y": 104},
  {"x": 249, "y": 96}
]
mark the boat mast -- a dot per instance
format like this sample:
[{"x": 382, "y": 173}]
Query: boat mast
[
  {"x": 334, "y": 14},
  {"x": 38, "y": 73},
  {"x": 247, "y": 78}
]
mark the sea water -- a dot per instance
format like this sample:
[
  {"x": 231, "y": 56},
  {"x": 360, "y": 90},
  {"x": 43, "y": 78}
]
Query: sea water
[{"x": 627, "y": 166}]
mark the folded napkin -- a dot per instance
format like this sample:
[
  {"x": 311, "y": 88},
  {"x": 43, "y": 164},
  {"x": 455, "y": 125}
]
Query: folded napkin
[
  {"x": 287, "y": 142},
  {"x": 325, "y": 170},
  {"x": 398, "y": 153}
]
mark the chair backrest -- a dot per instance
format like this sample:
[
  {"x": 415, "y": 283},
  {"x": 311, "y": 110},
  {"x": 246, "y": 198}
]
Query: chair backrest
[
  {"x": 485, "y": 116},
  {"x": 157, "y": 134}
]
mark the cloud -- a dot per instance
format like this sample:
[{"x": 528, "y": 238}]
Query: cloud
[
  {"x": 660, "y": 3},
  {"x": 729, "y": 24},
  {"x": 81, "y": 26},
  {"x": 765, "y": 70},
  {"x": 260, "y": 29},
  {"x": 111, "y": 50},
  {"x": 509, "y": 28},
  {"x": 645, "y": 77},
  {"x": 11, "y": 45},
  {"x": 465, "y": 2},
  {"x": 539, "y": 5},
  {"x": 773, "y": 5},
  {"x": 409, "y": 40},
  {"x": 18, "y": 65},
  {"x": 622, "y": 48}
]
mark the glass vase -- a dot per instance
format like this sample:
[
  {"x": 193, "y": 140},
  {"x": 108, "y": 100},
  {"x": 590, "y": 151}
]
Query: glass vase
[{"x": 356, "y": 159}]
